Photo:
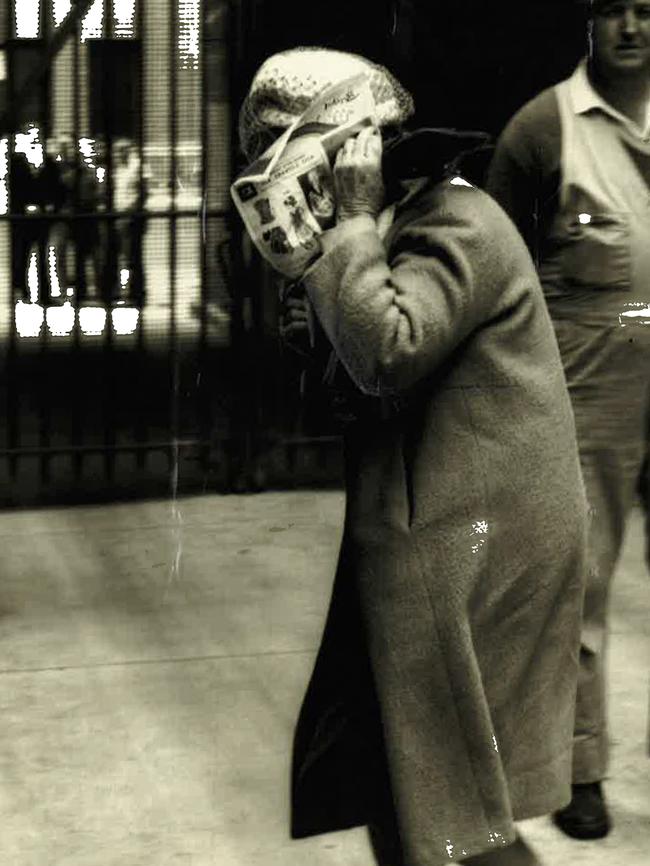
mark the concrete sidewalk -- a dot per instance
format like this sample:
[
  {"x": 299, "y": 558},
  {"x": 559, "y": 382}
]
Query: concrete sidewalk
[{"x": 153, "y": 657}]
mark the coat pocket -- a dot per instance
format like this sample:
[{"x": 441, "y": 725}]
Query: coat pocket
[{"x": 597, "y": 252}]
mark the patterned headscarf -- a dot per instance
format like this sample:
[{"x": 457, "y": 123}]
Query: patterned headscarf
[{"x": 287, "y": 82}]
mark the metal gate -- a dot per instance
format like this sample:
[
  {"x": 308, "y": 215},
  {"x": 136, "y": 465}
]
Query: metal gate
[
  {"x": 139, "y": 344},
  {"x": 139, "y": 348}
]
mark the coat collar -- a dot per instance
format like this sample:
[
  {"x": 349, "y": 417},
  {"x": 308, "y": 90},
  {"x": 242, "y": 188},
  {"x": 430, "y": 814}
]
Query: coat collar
[
  {"x": 419, "y": 160},
  {"x": 429, "y": 152}
]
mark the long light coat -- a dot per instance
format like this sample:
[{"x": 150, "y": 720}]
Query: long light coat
[{"x": 447, "y": 671}]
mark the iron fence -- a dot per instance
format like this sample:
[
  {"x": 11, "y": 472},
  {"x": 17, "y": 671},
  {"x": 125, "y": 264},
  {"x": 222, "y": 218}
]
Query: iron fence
[{"x": 161, "y": 370}]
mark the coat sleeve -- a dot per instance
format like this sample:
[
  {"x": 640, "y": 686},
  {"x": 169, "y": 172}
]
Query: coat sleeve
[{"x": 394, "y": 317}]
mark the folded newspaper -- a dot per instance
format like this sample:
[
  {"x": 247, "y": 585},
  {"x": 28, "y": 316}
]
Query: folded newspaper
[{"x": 286, "y": 197}]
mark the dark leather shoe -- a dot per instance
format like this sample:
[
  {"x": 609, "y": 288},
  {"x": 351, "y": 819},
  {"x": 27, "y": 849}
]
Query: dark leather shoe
[{"x": 586, "y": 816}]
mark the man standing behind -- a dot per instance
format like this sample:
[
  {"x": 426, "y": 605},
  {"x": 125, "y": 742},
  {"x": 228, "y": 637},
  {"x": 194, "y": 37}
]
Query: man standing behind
[{"x": 572, "y": 169}]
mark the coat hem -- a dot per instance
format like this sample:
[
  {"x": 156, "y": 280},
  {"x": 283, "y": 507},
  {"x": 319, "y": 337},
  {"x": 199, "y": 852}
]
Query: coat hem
[{"x": 541, "y": 790}]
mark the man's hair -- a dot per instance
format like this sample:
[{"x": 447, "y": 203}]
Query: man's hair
[{"x": 596, "y": 6}]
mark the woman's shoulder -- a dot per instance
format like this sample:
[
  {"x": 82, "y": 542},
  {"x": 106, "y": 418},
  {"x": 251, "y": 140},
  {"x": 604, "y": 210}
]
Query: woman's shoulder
[
  {"x": 456, "y": 202},
  {"x": 454, "y": 215}
]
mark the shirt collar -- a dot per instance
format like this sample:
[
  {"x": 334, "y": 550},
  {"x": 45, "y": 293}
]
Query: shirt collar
[{"x": 584, "y": 98}]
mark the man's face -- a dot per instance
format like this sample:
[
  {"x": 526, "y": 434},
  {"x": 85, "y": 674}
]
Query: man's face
[{"x": 621, "y": 37}]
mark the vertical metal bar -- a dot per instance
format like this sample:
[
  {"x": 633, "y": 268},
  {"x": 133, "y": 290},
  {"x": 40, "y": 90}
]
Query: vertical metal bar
[
  {"x": 78, "y": 403},
  {"x": 12, "y": 383},
  {"x": 257, "y": 377},
  {"x": 45, "y": 32},
  {"x": 45, "y": 391},
  {"x": 238, "y": 468},
  {"x": 109, "y": 234},
  {"x": 109, "y": 378},
  {"x": 139, "y": 300},
  {"x": 204, "y": 407},
  {"x": 173, "y": 344}
]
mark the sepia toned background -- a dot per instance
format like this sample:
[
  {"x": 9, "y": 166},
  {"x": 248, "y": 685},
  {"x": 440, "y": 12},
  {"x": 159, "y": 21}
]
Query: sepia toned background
[
  {"x": 178, "y": 373},
  {"x": 157, "y": 629}
]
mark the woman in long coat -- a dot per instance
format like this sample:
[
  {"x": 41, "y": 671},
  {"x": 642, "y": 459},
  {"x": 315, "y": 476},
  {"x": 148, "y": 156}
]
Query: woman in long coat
[{"x": 440, "y": 710}]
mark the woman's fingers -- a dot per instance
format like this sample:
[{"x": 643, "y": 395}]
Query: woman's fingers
[
  {"x": 294, "y": 313},
  {"x": 286, "y": 321},
  {"x": 369, "y": 142},
  {"x": 296, "y": 304},
  {"x": 362, "y": 162},
  {"x": 375, "y": 145},
  {"x": 288, "y": 326},
  {"x": 296, "y": 335},
  {"x": 364, "y": 136},
  {"x": 345, "y": 154},
  {"x": 357, "y": 176},
  {"x": 360, "y": 149},
  {"x": 350, "y": 149}
]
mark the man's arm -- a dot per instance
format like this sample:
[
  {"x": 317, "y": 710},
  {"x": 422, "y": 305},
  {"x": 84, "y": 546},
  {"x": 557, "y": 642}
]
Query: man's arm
[{"x": 524, "y": 174}]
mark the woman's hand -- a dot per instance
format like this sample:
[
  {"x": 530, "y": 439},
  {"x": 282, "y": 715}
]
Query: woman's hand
[
  {"x": 357, "y": 176},
  {"x": 293, "y": 324}
]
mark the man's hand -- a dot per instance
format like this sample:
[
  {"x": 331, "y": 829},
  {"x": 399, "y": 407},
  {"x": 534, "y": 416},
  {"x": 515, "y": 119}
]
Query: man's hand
[{"x": 357, "y": 176}]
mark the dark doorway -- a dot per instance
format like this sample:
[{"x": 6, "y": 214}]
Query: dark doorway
[{"x": 115, "y": 88}]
